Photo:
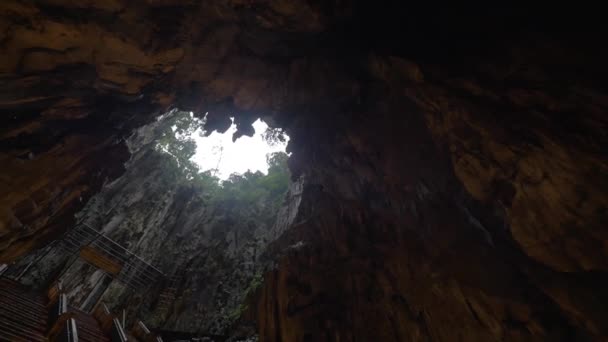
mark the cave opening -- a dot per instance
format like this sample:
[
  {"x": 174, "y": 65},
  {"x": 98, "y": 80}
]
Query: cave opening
[
  {"x": 194, "y": 206},
  {"x": 220, "y": 155},
  {"x": 448, "y": 177},
  {"x": 240, "y": 176}
]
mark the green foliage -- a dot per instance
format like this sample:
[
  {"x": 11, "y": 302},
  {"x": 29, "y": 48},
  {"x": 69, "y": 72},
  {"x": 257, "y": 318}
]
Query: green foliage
[
  {"x": 175, "y": 139},
  {"x": 254, "y": 285},
  {"x": 254, "y": 189},
  {"x": 278, "y": 173},
  {"x": 235, "y": 314},
  {"x": 274, "y": 136},
  {"x": 241, "y": 199},
  {"x": 240, "y": 192}
]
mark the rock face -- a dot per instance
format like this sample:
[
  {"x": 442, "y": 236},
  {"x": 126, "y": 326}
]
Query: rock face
[
  {"x": 456, "y": 174},
  {"x": 211, "y": 254},
  {"x": 415, "y": 253}
]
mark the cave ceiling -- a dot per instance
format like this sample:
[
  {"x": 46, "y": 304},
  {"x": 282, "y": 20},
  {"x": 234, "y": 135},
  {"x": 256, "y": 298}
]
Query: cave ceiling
[{"x": 465, "y": 142}]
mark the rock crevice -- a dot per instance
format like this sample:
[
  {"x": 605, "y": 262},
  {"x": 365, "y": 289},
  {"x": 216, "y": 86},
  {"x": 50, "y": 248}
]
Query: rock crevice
[{"x": 454, "y": 156}]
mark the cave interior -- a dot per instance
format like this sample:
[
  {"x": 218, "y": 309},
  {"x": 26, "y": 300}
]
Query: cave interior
[{"x": 446, "y": 175}]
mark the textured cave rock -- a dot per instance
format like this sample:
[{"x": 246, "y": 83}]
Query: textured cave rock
[
  {"x": 214, "y": 252},
  {"x": 457, "y": 178}
]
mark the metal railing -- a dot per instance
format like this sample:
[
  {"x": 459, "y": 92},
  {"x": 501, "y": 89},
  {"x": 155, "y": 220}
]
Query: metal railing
[
  {"x": 68, "y": 332},
  {"x": 61, "y": 324},
  {"x": 135, "y": 272},
  {"x": 142, "y": 333},
  {"x": 118, "y": 333}
]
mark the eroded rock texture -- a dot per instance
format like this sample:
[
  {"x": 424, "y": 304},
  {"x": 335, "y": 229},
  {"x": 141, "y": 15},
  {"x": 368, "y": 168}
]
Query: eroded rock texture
[
  {"x": 454, "y": 156},
  {"x": 211, "y": 251}
]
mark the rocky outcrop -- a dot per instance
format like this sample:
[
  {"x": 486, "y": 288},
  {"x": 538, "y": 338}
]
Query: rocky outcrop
[
  {"x": 434, "y": 223},
  {"x": 211, "y": 255},
  {"x": 454, "y": 156},
  {"x": 412, "y": 253},
  {"x": 77, "y": 78}
]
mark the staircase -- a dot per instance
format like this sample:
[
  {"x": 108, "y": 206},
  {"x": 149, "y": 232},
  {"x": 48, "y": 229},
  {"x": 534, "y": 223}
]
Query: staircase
[
  {"x": 171, "y": 284},
  {"x": 23, "y": 314},
  {"x": 168, "y": 294},
  {"x": 88, "y": 328},
  {"x": 29, "y": 316},
  {"x": 101, "y": 251},
  {"x": 26, "y": 316}
]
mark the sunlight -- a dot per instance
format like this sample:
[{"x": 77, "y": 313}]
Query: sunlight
[{"x": 217, "y": 151}]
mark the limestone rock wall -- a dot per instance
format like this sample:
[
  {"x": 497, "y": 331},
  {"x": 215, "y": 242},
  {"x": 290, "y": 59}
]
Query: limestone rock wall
[
  {"x": 76, "y": 78},
  {"x": 454, "y": 155},
  {"x": 214, "y": 254}
]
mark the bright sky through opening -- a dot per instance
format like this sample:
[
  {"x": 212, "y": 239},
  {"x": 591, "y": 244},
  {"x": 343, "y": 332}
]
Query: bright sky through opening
[{"x": 247, "y": 153}]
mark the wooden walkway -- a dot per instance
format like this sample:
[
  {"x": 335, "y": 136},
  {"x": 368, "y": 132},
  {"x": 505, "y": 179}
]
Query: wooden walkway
[
  {"x": 23, "y": 314},
  {"x": 27, "y": 316}
]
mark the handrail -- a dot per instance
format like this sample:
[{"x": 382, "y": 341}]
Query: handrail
[
  {"x": 109, "y": 323},
  {"x": 142, "y": 333},
  {"x": 54, "y": 292},
  {"x": 132, "y": 279},
  {"x": 126, "y": 250},
  {"x": 103, "y": 316},
  {"x": 70, "y": 242},
  {"x": 68, "y": 333},
  {"x": 103, "y": 243},
  {"x": 74, "y": 330},
  {"x": 62, "y": 326},
  {"x": 57, "y": 309},
  {"x": 37, "y": 259},
  {"x": 111, "y": 253},
  {"x": 118, "y": 333},
  {"x": 134, "y": 271},
  {"x": 112, "y": 247},
  {"x": 143, "y": 327},
  {"x": 105, "y": 247}
]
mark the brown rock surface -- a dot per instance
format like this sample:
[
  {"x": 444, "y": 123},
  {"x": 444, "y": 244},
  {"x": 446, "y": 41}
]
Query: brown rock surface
[{"x": 457, "y": 178}]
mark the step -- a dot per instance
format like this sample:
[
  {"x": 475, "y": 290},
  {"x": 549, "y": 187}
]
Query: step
[
  {"x": 15, "y": 314},
  {"x": 13, "y": 308},
  {"x": 17, "y": 322},
  {"x": 79, "y": 312},
  {"x": 86, "y": 336},
  {"x": 18, "y": 288},
  {"x": 88, "y": 327},
  {"x": 82, "y": 330},
  {"x": 6, "y": 336},
  {"x": 83, "y": 316},
  {"x": 8, "y": 304},
  {"x": 15, "y": 284},
  {"x": 23, "y": 300},
  {"x": 22, "y": 306},
  {"x": 27, "y": 335},
  {"x": 21, "y": 291}
]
